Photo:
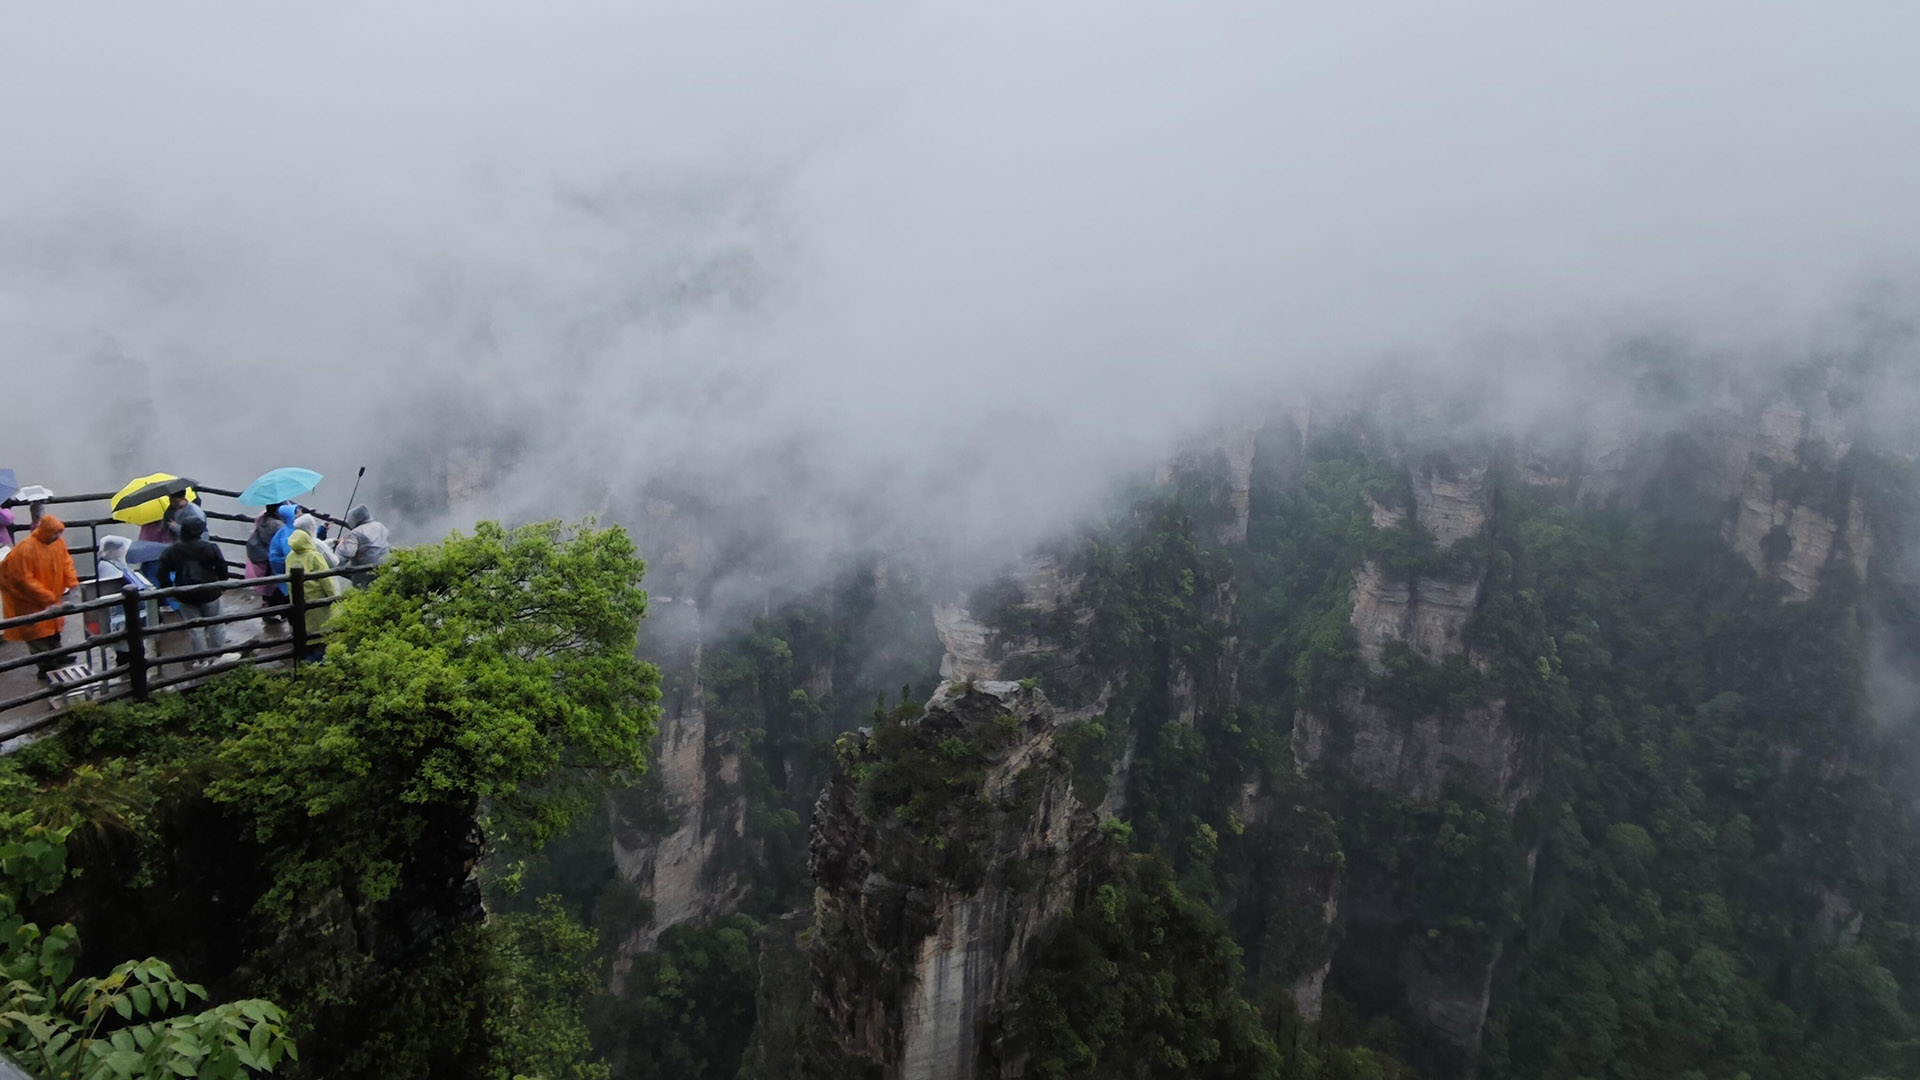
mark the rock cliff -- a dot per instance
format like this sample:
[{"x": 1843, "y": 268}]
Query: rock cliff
[
  {"x": 930, "y": 902},
  {"x": 927, "y": 910},
  {"x": 671, "y": 838},
  {"x": 1793, "y": 517}
]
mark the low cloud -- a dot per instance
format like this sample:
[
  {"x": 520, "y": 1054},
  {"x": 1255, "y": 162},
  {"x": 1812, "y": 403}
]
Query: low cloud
[{"x": 867, "y": 268}]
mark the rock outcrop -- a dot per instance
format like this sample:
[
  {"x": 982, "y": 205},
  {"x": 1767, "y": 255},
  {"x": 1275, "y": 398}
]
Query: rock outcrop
[
  {"x": 1040, "y": 591},
  {"x": 1417, "y": 758},
  {"x": 1426, "y": 611},
  {"x": 674, "y": 855},
  {"x": 921, "y": 929},
  {"x": 1360, "y": 745},
  {"x": 1224, "y": 455},
  {"x": 1792, "y": 517}
]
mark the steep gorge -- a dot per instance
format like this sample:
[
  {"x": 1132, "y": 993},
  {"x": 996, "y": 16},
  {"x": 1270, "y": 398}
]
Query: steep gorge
[{"x": 1369, "y": 697}]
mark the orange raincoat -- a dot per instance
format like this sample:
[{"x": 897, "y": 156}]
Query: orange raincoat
[{"x": 34, "y": 577}]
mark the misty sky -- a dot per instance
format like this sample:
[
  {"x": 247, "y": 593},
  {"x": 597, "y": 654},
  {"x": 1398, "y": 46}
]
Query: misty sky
[{"x": 963, "y": 256}]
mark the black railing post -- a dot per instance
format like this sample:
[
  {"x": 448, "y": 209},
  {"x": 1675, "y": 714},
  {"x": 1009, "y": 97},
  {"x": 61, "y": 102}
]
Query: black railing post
[
  {"x": 297, "y": 620},
  {"x": 136, "y": 641}
]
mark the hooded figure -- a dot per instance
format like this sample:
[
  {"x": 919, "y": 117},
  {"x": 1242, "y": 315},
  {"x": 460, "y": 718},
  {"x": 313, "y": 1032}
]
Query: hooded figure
[
  {"x": 259, "y": 562},
  {"x": 194, "y": 561},
  {"x": 277, "y": 548},
  {"x": 113, "y": 552},
  {"x": 310, "y": 525},
  {"x": 33, "y": 578},
  {"x": 303, "y": 553},
  {"x": 261, "y": 538},
  {"x": 196, "y": 565},
  {"x": 364, "y": 545}
]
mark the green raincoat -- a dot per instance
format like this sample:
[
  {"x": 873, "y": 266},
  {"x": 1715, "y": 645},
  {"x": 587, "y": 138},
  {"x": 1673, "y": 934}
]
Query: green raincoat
[{"x": 303, "y": 552}]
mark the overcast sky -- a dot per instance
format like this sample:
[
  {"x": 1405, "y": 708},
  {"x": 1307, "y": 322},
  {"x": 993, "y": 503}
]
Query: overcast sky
[{"x": 974, "y": 256}]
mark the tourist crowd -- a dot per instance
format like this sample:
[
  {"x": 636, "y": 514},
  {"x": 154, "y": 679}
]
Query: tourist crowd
[{"x": 173, "y": 552}]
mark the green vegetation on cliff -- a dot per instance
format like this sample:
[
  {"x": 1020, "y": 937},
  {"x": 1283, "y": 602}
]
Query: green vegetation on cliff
[
  {"x": 312, "y": 835},
  {"x": 1727, "y": 885},
  {"x": 1142, "y": 981},
  {"x": 1708, "y": 872}
]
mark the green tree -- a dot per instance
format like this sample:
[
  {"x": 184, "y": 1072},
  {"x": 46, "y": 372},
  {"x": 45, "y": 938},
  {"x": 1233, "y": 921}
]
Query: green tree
[{"x": 491, "y": 674}]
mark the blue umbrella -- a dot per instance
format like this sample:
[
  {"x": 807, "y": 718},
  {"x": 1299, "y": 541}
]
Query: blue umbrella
[
  {"x": 279, "y": 485},
  {"x": 8, "y": 485}
]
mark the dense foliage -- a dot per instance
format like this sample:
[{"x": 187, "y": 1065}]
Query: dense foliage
[
  {"x": 1716, "y": 879},
  {"x": 1142, "y": 982},
  {"x": 1727, "y": 886},
  {"x": 687, "y": 1008},
  {"x": 313, "y": 834}
]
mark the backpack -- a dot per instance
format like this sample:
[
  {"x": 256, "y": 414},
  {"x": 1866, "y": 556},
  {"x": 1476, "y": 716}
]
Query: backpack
[{"x": 194, "y": 569}]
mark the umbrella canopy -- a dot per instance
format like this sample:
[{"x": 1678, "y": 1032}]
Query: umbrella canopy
[
  {"x": 279, "y": 485},
  {"x": 144, "y": 499},
  {"x": 8, "y": 485}
]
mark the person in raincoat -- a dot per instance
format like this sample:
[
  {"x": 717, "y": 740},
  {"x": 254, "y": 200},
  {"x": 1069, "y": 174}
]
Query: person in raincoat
[
  {"x": 303, "y": 553},
  {"x": 363, "y": 546},
  {"x": 277, "y": 547},
  {"x": 310, "y": 525},
  {"x": 6, "y": 531},
  {"x": 114, "y": 551},
  {"x": 260, "y": 561},
  {"x": 34, "y": 578}
]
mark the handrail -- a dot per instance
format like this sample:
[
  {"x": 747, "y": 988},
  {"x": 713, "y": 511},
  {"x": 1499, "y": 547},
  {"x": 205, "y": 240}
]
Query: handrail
[
  {"x": 139, "y": 669},
  {"x": 229, "y": 585},
  {"x": 115, "y": 638}
]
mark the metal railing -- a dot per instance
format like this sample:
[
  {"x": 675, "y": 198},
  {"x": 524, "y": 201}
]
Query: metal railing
[{"x": 140, "y": 675}]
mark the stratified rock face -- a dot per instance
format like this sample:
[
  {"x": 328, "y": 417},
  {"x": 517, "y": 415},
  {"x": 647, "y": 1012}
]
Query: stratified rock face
[
  {"x": 916, "y": 948},
  {"x": 1794, "y": 530},
  {"x": 1773, "y": 466},
  {"x": 1039, "y": 585},
  {"x": 1450, "y": 499},
  {"x": 969, "y": 642},
  {"x": 680, "y": 872},
  {"x": 1236, "y": 446},
  {"x": 1362, "y": 745},
  {"x": 1416, "y": 758},
  {"x": 1428, "y": 613}
]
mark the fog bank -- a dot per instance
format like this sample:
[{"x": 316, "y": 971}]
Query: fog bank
[{"x": 872, "y": 266}]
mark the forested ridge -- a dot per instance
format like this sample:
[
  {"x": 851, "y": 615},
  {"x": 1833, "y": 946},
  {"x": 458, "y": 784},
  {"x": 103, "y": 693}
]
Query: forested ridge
[
  {"x": 1685, "y": 850},
  {"x": 1711, "y": 873}
]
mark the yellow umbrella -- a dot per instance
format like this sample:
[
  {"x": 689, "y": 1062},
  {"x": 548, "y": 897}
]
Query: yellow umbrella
[{"x": 148, "y": 510}]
